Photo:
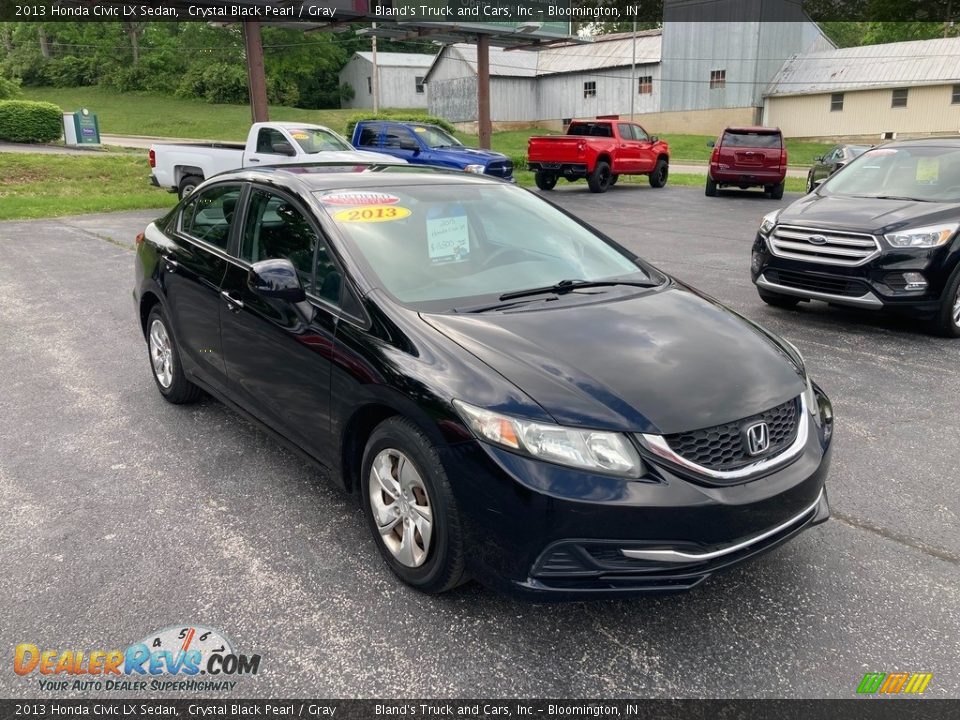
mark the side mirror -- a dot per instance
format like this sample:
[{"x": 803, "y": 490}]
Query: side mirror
[
  {"x": 818, "y": 158},
  {"x": 654, "y": 138},
  {"x": 711, "y": 143},
  {"x": 276, "y": 279},
  {"x": 817, "y": 184},
  {"x": 284, "y": 148}
]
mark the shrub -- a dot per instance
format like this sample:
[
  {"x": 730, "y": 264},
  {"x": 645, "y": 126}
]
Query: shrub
[
  {"x": 26, "y": 121},
  {"x": 400, "y": 116},
  {"x": 8, "y": 88},
  {"x": 215, "y": 83}
]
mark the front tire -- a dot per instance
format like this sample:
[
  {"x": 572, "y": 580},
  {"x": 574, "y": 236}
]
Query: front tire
[
  {"x": 187, "y": 185},
  {"x": 545, "y": 180},
  {"x": 599, "y": 179},
  {"x": 165, "y": 361},
  {"x": 809, "y": 183},
  {"x": 947, "y": 321},
  {"x": 410, "y": 507},
  {"x": 658, "y": 178},
  {"x": 787, "y": 302}
]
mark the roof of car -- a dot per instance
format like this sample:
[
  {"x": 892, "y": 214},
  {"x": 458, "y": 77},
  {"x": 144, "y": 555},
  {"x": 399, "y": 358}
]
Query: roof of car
[
  {"x": 752, "y": 129},
  {"x": 311, "y": 177},
  {"x": 951, "y": 141}
]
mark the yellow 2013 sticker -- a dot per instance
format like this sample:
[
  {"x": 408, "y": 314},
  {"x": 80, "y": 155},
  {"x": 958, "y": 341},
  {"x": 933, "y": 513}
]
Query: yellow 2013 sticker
[{"x": 371, "y": 213}]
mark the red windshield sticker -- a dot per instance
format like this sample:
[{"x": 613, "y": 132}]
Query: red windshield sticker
[{"x": 358, "y": 198}]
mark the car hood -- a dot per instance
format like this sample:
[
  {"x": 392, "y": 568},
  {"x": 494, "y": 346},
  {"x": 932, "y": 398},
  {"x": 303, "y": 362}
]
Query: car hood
[
  {"x": 662, "y": 362},
  {"x": 468, "y": 155},
  {"x": 864, "y": 214},
  {"x": 354, "y": 156}
]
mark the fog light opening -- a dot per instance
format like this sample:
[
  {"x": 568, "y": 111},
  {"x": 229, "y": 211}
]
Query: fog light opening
[{"x": 914, "y": 281}]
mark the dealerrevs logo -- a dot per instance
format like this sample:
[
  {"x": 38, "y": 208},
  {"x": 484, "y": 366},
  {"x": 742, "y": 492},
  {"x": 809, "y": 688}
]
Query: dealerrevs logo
[{"x": 170, "y": 659}]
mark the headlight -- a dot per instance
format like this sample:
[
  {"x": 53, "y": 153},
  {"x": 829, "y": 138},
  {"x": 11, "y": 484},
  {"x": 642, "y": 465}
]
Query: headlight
[
  {"x": 606, "y": 452},
  {"x": 769, "y": 222},
  {"x": 478, "y": 169},
  {"x": 925, "y": 237}
]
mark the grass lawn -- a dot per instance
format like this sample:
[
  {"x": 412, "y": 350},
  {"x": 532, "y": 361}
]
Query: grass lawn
[
  {"x": 166, "y": 116},
  {"x": 34, "y": 186}
]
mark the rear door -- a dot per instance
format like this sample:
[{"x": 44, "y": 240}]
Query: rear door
[
  {"x": 750, "y": 150},
  {"x": 369, "y": 137},
  {"x": 278, "y": 354},
  {"x": 191, "y": 274}
]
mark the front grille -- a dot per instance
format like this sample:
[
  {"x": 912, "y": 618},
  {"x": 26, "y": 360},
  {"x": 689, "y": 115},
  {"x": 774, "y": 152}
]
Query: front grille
[
  {"x": 500, "y": 168},
  {"x": 830, "y": 247},
  {"x": 830, "y": 284},
  {"x": 723, "y": 447}
]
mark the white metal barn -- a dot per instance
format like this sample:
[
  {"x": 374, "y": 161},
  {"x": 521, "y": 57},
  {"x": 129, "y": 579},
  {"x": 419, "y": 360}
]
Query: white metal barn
[
  {"x": 907, "y": 87},
  {"x": 401, "y": 79}
]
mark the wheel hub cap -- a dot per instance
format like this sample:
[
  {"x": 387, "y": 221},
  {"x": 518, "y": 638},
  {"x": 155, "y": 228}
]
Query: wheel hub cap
[
  {"x": 161, "y": 354},
  {"x": 401, "y": 507}
]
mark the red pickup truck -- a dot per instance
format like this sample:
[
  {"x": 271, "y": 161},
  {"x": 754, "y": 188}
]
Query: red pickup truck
[{"x": 599, "y": 150}]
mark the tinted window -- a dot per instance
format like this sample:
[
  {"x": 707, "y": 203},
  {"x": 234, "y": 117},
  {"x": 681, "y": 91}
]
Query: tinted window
[
  {"x": 591, "y": 129},
  {"x": 209, "y": 215},
  {"x": 369, "y": 136},
  {"x": 272, "y": 142},
  {"x": 751, "y": 139},
  {"x": 399, "y": 138},
  {"x": 275, "y": 228}
]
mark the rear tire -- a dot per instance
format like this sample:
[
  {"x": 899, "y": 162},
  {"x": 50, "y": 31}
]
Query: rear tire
[
  {"x": 776, "y": 193},
  {"x": 778, "y": 300},
  {"x": 545, "y": 180},
  {"x": 947, "y": 321},
  {"x": 711, "y": 188},
  {"x": 165, "y": 361},
  {"x": 410, "y": 494},
  {"x": 187, "y": 185},
  {"x": 599, "y": 179},
  {"x": 658, "y": 178}
]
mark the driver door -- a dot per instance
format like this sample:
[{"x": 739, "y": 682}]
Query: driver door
[{"x": 273, "y": 148}]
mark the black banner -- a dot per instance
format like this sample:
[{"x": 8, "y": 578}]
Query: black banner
[
  {"x": 856, "y": 709},
  {"x": 483, "y": 11}
]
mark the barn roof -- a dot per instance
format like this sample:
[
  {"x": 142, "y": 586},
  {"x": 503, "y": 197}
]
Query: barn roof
[
  {"x": 608, "y": 51},
  {"x": 918, "y": 62},
  {"x": 392, "y": 59}
]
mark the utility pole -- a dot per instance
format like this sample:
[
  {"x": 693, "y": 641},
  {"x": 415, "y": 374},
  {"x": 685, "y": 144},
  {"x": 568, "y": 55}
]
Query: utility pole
[
  {"x": 255, "y": 73},
  {"x": 633, "y": 72},
  {"x": 484, "y": 124},
  {"x": 375, "y": 77}
]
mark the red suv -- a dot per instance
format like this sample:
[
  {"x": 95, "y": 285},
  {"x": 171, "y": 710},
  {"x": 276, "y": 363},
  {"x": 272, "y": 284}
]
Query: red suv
[{"x": 748, "y": 157}]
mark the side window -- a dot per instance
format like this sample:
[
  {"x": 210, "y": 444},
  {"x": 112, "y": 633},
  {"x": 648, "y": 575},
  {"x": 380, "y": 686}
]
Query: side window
[
  {"x": 399, "y": 138},
  {"x": 625, "y": 130},
  {"x": 275, "y": 228},
  {"x": 837, "y": 154},
  {"x": 369, "y": 136},
  {"x": 208, "y": 216},
  {"x": 640, "y": 134},
  {"x": 272, "y": 142}
]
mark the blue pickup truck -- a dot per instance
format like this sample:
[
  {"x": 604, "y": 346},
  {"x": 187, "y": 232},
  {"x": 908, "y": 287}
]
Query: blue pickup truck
[{"x": 422, "y": 144}]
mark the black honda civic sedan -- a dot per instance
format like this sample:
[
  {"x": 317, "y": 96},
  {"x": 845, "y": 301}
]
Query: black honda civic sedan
[{"x": 513, "y": 396}]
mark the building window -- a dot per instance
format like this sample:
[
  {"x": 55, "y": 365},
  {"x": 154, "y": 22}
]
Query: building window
[
  {"x": 836, "y": 102},
  {"x": 956, "y": 95},
  {"x": 718, "y": 79},
  {"x": 899, "y": 98},
  {"x": 369, "y": 85},
  {"x": 590, "y": 89},
  {"x": 419, "y": 82},
  {"x": 645, "y": 85}
]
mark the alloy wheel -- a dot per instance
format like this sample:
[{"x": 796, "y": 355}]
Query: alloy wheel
[
  {"x": 956, "y": 307},
  {"x": 161, "y": 354},
  {"x": 401, "y": 507}
]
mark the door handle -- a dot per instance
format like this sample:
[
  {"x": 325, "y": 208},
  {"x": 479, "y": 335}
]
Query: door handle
[
  {"x": 233, "y": 305},
  {"x": 171, "y": 264},
  {"x": 253, "y": 160}
]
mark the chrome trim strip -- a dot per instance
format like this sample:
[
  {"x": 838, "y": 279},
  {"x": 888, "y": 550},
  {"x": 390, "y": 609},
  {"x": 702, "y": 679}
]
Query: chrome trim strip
[
  {"x": 676, "y": 556},
  {"x": 867, "y": 300},
  {"x": 659, "y": 446}
]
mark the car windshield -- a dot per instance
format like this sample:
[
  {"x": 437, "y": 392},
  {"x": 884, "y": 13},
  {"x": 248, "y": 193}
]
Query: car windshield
[
  {"x": 435, "y": 137},
  {"x": 928, "y": 173},
  {"x": 317, "y": 140},
  {"x": 751, "y": 139},
  {"x": 444, "y": 247}
]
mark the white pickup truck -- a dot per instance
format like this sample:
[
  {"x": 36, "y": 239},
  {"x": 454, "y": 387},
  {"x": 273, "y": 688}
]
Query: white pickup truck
[{"x": 180, "y": 168}]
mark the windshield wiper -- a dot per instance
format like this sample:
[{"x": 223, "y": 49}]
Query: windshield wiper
[
  {"x": 496, "y": 306},
  {"x": 565, "y": 286},
  {"x": 893, "y": 197}
]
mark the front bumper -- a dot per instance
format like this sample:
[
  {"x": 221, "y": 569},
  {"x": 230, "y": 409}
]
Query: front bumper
[
  {"x": 547, "y": 532},
  {"x": 874, "y": 285}
]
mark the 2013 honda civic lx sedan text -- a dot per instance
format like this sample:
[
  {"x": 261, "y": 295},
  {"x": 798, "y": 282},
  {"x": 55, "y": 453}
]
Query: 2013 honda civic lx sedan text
[{"x": 514, "y": 396}]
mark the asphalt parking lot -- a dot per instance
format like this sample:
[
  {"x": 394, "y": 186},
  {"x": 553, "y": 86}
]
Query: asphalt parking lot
[{"x": 124, "y": 514}]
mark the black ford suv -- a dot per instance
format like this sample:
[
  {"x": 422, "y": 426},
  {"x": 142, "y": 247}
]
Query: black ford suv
[{"x": 881, "y": 233}]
